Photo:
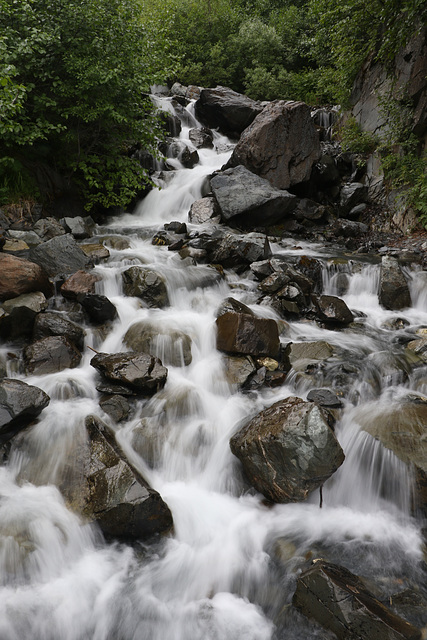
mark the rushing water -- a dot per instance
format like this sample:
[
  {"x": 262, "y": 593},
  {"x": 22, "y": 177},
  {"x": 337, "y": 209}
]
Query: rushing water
[{"x": 228, "y": 571}]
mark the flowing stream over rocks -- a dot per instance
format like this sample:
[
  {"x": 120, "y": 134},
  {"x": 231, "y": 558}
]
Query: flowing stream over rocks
[{"x": 228, "y": 569}]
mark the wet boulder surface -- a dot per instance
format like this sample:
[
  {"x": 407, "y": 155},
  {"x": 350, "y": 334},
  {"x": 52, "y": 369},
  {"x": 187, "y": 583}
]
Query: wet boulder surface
[
  {"x": 20, "y": 404},
  {"x": 140, "y": 372}
]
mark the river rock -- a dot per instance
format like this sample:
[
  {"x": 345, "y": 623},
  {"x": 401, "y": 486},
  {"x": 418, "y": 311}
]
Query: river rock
[
  {"x": 281, "y": 145},
  {"x": 99, "y": 308},
  {"x": 172, "y": 346},
  {"x": 78, "y": 226},
  {"x": 232, "y": 250},
  {"x": 394, "y": 291},
  {"x": 18, "y": 276},
  {"x": 48, "y": 228},
  {"x": 226, "y": 110},
  {"x": 79, "y": 283},
  {"x": 288, "y": 450},
  {"x": 140, "y": 372},
  {"x": 248, "y": 199},
  {"x": 238, "y": 369},
  {"x": 20, "y": 404},
  {"x": 201, "y": 138},
  {"x": 246, "y": 334},
  {"x": 324, "y": 397},
  {"x": 350, "y": 228},
  {"x": 351, "y": 195},
  {"x": 55, "y": 324},
  {"x": 20, "y": 315},
  {"x": 50, "y": 355},
  {"x": 60, "y": 255},
  {"x": 301, "y": 354},
  {"x": 95, "y": 251},
  {"x": 333, "y": 310},
  {"x": 109, "y": 491},
  {"x": 341, "y": 602},
  {"x": 117, "y": 407},
  {"x": 204, "y": 210},
  {"x": 146, "y": 284}
]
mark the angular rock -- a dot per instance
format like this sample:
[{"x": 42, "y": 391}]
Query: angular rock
[
  {"x": 331, "y": 309},
  {"x": 146, "y": 284},
  {"x": 60, "y": 255},
  {"x": 351, "y": 195},
  {"x": 78, "y": 226},
  {"x": 226, "y": 110},
  {"x": 324, "y": 397},
  {"x": 79, "y": 283},
  {"x": 288, "y": 450},
  {"x": 233, "y": 306},
  {"x": 246, "y": 334},
  {"x": 302, "y": 353},
  {"x": 188, "y": 157},
  {"x": 55, "y": 324},
  {"x": 248, "y": 199},
  {"x": 238, "y": 369},
  {"x": 48, "y": 228},
  {"x": 233, "y": 250},
  {"x": 204, "y": 210},
  {"x": 20, "y": 404},
  {"x": 95, "y": 251},
  {"x": 99, "y": 308},
  {"x": 394, "y": 291},
  {"x": 349, "y": 228},
  {"x": 281, "y": 145},
  {"x": 21, "y": 313},
  {"x": 117, "y": 407},
  {"x": 173, "y": 347},
  {"x": 50, "y": 355},
  {"x": 140, "y": 372},
  {"x": 18, "y": 276},
  {"x": 201, "y": 138},
  {"x": 341, "y": 602}
]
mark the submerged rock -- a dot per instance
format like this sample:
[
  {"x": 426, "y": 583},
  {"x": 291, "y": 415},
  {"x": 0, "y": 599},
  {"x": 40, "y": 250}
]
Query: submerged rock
[
  {"x": 394, "y": 291},
  {"x": 140, "y": 372},
  {"x": 20, "y": 404},
  {"x": 172, "y": 346},
  {"x": 288, "y": 450}
]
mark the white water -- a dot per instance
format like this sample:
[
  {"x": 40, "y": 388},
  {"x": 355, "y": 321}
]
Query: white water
[{"x": 228, "y": 570}]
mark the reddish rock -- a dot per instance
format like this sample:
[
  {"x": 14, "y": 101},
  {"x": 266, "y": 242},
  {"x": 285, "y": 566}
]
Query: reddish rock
[
  {"x": 18, "y": 276},
  {"x": 247, "y": 334},
  {"x": 80, "y": 282}
]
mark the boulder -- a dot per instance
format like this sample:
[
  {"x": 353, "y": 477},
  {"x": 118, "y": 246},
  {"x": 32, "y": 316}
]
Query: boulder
[
  {"x": 78, "y": 226},
  {"x": 20, "y": 314},
  {"x": 349, "y": 228},
  {"x": 95, "y": 251},
  {"x": 238, "y": 369},
  {"x": 60, "y": 255},
  {"x": 80, "y": 282},
  {"x": 333, "y": 310},
  {"x": 324, "y": 397},
  {"x": 204, "y": 210},
  {"x": 99, "y": 308},
  {"x": 394, "y": 291},
  {"x": 173, "y": 347},
  {"x": 50, "y": 355},
  {"x": 55, "y": 324},
  {"x": 105, "y": 488},
  {"x": 351, "y": 195},
  {"x": 232, "y": 250},
  {"x": 302, "y": 353},
  {"x": 340, "y": 601},
  {"x": 226, "y": 110},
  {"x": 288, "y": 450},
  {"x": 117, "y": 407},
  {"x": 281, "y": 145},
  {"x": 140, "y": 372},
  {"x": 247, "y": 199},
  {"x": 48, "y": 228},
  {"x": 18, "y": 276},
  {"x": 20, "y": 404},
  {"x": 146, "y": 284},
  {"x": 246, "y": 334},
  {"x": 201, "y": 138}
]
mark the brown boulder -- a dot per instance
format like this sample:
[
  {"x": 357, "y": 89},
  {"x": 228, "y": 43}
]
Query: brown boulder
[
  {"x": 246, "y": 334},
  {"x": 18, "y": 276},
  {"x": 80, "y": 282}
]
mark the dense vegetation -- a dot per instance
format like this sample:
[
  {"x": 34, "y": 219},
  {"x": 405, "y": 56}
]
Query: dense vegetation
[{"x": 73, "y": 73}]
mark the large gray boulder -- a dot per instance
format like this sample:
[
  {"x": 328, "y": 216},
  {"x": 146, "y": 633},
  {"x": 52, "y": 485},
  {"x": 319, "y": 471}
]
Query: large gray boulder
[
  {"x": 226, "y": 110},
  {"x": 288, "y": 450},
  {"x": 204, "y": 210},
  {"x": 20, "y": 404},
  {"x": 146, "y": 284},
  {"x": 281, "y": 145},
  {"x": 60, "y": 255},
  {"x": 232, "y": 250},
  {"x": 19, "y": 276},
  {"x": 340, "y": 601},
  {"x": 394, "y": 291},
  {"x": 140, "y": 372},
  {"x": 248, "y": 199}
]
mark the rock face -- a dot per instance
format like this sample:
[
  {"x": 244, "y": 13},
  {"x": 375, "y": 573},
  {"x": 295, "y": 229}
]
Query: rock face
[
  {"x": 246, "y": 334},
  {"x": 231, "y": 112},
  {"x": 109, "y": 491},
  {"x": 145, "y": 284},
  {"x": 340, "y": 602},
  {"x": 50, "y": 355},
  {"x": 140, "y": 372},
  {"x": 394, "y": 291},
  {"x": 20, "y": 404},
  {"x": 248, "y": 199},
  {"x": 288, "y": 450},
  {"x": 281, "y": 145},
  {"x": 18, "y": 276}
]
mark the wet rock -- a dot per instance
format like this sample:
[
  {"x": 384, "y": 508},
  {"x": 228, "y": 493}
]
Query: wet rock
[
  {"x": 78, "y": 226},
  {"x": 248, "y": 199},
  {"x": 172, "y": 346},
  {"x": 176, "y": 227},
  {"x": 99, "y": 308},
  {"x": 20, "y": 404},
  {"x": 246, "y": 334},
  {"x": 281, "y": 145},
  {"x": 302, "y": 353},
  {"x": 233, "y": 250},
  {"x": 274, "y": 282},
  {"x": 18, "y": 276},
  {"x": 50, "y": 355},
  {"x": 340, "y": 602},
  {"x": 325, "y": 172},
  {"x": 352, "y": 195},
  {"x": 204, "y": 210},
  {"x": 117, "y": 407},
  {"x": 324, "y": 397},
  {"x": 60, "y": 255},
  {"x": 201, "y": 138},
  {"x": 109, "y": 491},
  {"x": 288, "y": 450},
  {"x": 238, "y": 369},
  {"x": 312, "y": 269},
  {"x": 333, "y": 310},
  {"x": 140, "y": 372},
  {"x": 226, "y": 110},
  {"x": 55, "y": 324},
  {"x": 349, "y": 228},
  {"x": 188, "y": 157},
  {"x": 80, "y": 282},
  {"x": 20, "y": 315},
  {"x": 309, "y": 210},
  {"x": 395, "y": 324},
  {"x": 233, "y": 306},
  {"x": 95, "y": 251},
  {"x": 146, "y": 284},
  {"x": 394, "y": 291},
  {"x": 419, "y": 347}
]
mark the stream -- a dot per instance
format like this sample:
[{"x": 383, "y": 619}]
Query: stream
[{"x": 229, "y": 568}]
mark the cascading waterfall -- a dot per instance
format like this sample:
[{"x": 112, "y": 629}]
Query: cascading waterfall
[{"x": 228, "y": 570}]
